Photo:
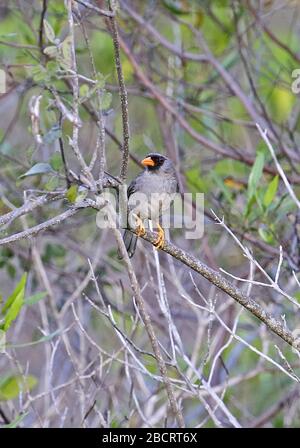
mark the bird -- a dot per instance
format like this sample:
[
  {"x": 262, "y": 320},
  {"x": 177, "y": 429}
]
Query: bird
[{"x": 159, "y": 177}]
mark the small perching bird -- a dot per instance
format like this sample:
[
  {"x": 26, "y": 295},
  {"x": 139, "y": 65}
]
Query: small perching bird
[{"x": 149, "y": 195}]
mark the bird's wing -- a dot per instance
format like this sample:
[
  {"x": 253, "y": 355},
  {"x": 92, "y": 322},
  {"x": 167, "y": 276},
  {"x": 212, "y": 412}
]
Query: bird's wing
[{"x": 133, "y": 187}]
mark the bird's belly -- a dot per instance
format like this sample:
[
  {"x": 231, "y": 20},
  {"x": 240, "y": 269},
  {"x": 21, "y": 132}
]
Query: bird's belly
[{"x": 150, "y": 206}]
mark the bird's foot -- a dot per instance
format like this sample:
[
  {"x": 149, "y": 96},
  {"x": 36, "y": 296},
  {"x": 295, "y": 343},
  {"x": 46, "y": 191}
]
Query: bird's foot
[
  {"x": 140, "y": 229},
  {"x": 160, "y": 241}
]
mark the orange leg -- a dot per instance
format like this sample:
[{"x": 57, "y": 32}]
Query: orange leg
[
  {"x": 159, "y": 243},
  {"x": 140, "y": 229}
]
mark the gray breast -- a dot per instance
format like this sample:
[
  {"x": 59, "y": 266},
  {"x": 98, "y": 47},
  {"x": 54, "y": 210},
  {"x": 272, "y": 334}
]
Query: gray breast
[{"x": 153, "y": 194}]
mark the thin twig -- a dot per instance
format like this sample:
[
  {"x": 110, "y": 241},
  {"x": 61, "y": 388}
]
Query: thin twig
[
  {"x": 41, "y": 30},
  {"x": 95, "y": 8},
  {"x": 28, "y": 207},
  {"x": 33, "y": 231},
  {"x": 278, "y": 166},
  {"x": 99, "y": 150},
  {"x": 62, "y": 153},
  {"x": 75, "y": 94},
  {"x": 222, "y": 283}
]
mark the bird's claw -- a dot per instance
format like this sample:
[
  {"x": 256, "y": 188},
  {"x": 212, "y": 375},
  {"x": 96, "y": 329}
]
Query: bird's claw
[
  {"x": 160, "y": 241},
  {"x": 140, "y": 229}
]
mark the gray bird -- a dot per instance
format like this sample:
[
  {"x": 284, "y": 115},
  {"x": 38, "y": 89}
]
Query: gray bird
[{"x": 149, "y": 195}]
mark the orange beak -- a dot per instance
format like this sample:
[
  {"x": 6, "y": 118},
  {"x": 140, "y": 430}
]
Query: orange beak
[{"x": 147, "y": 162}]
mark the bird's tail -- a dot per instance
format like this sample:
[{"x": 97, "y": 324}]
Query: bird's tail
[{"x": 130, "y": 241}]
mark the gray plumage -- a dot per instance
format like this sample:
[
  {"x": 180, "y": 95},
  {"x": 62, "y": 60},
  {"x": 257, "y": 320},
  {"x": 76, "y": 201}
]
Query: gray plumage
[{"x": 160, "y": 179}]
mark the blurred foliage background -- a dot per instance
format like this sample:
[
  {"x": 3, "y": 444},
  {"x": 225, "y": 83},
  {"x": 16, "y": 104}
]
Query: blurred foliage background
[{"x": 221, "y": 66}]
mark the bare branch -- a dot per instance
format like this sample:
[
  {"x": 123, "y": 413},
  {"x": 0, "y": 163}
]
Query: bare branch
[
  {"x": 95, "y": 8},
  {"x": 123, "y": 96},
  {"x": 278, "y": 166},
  {"x": 149, "y": 328},
  {"x": 222, "y": 283},
  {"x": 33, "y": 231}
]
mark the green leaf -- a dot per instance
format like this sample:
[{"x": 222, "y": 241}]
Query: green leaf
[
  {"x": 249, "y": 206},
  {"x": 52, "y": 184},
  {"x": 7, "y": 252},
  {"x": 19, "y": 288},
  {"x": 52, "y": 67},
  {"x": 38, "y": 73},
  {"x": 53, "y": 250},
  {"x": 84, "y": 90},
  {"x": 3, "y": 345},
  {"x": 195, "y": 181},
  {"x": 51, "y": 117},
  {"x": 199, "y": 19},
  {"x": 49, "y": 31},
  {"x": 8, "y": 35},
  {"x": 86, "y": 93},
  {"x": 11, "y": 270},
  {"x": 266, "y": 235},
  {"x": 255, "y": 174},
  {"x": 106, "y": 98},
  {"x": 281, "y": 103},
  {"x": 101, "y": 79},
  {"x": 176, "y": 6},
  {"x": 14, "y": 303},
  {"x": 72, "y": 193},
  {"x": 38, "y": 169},
  {"x": 56, "y": 161},
  {"x": 16, "y": 421},
  {"x": 53, "y": 134},
  {"x": 51, "y": 51},
  {"x": 81, "y": 195},
  {"x": 38, "y": 341},
  {"x": 32, "y": 300},
  {"x": 271, "y": 192},
  {"x": 11, "y": 386},
  {"x": 66, "y": 50},
  {"x": 223, "y": 188}
]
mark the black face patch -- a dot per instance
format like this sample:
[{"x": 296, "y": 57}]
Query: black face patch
[{"x": 158, "y": 160}]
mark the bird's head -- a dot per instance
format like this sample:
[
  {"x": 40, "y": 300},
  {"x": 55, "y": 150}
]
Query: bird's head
[{"x": 155, "y": 161}]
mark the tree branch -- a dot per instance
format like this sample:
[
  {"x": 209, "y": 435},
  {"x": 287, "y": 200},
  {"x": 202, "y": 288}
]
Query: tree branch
[
  {"x": 95, "y": 8},
  {"x": 123, "y": 96},
  {"x": 193, "y": 263},
  {"x": 149, "y": 328},
  {"x": 222, "y": 283},
  {"x": 41, "y": 30},
  {"x": 28, "y": 207},
  {"x": 223, "y": 150},
  {"x": 33, "y": 231}
]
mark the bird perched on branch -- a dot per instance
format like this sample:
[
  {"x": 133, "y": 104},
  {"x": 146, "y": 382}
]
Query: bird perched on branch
[{"x": 149, "y": 195}]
